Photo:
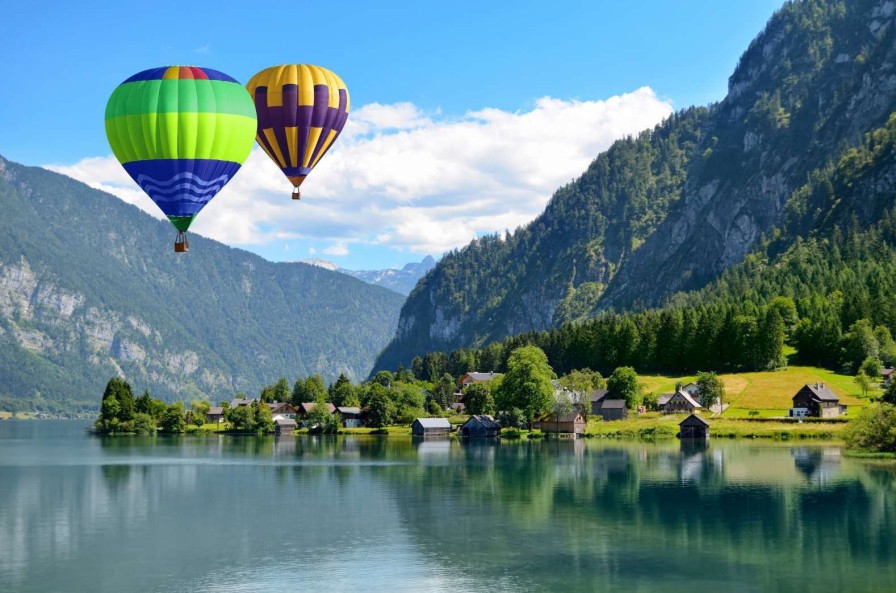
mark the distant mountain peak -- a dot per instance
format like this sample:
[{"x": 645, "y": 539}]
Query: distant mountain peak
[{"x": 401, "y": 281}]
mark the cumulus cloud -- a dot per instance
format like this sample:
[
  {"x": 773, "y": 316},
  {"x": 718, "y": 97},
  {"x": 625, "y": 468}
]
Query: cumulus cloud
[{"x": 410, "y": 180}]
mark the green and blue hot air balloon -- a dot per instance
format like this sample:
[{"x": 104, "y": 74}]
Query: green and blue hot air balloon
[{"x": 181, "y": 132}]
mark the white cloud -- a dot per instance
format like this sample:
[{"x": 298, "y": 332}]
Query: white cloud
[
  {"x": 409, "y": 180},
  {"x": 336, "y": 249}
]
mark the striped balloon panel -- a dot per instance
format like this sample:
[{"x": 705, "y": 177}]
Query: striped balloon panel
[
  {"x": 181, "y": 132},
  {"x": 301, "y": 111}
]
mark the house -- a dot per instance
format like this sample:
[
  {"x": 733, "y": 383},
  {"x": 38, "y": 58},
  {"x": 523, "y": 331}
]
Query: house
[
  {"x": 215, "y": 415},
  {"x": 886, "y": 375},
  {"x": 474, "y": 377},
  {"x": 282, "y": 409},
  {"x": 597, "y": 398},
  {"x": 304, "y": 409},
  {"x": 613, "y": 409},
  {"x": 284, "y": 426},
  {"x": 480, "y": 425},
  {"x": 458, "y": 407},
  {"x": 427, "y": 427},
  {"x": 678, "y": 402},
  {"x": 572, "y": 423},
  {"x": 239, "y": 403},
  {"x": 351, "y": 416},
  {"x": 816, "y": 400},
  {"x": 693, "y": 427},
  {"x": 691, "y": 389}
]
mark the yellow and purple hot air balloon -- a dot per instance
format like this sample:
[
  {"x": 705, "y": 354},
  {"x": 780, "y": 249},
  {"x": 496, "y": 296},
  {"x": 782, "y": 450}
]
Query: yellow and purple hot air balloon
[
  {"x": 181, "y": 132},
  {"x": 301, "y": 111}
]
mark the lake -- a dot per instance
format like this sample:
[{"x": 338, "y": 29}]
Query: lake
[{"x": 233, "y": 514}]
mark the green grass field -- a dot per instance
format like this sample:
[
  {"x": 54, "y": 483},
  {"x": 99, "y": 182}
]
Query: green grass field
[{"x": 769, "y": 393}]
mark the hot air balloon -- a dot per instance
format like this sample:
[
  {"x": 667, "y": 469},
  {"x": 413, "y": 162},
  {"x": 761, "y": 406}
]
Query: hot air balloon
[
  {"x": 181, "y": 132},
  {"x": 301, "y": 111}
]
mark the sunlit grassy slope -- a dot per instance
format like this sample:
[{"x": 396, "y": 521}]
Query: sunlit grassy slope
[{"x": 769, "y": 393}]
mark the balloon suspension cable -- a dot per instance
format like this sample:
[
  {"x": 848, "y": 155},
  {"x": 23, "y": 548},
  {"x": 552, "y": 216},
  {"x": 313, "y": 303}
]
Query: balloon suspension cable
[
  {"x": 296, "y": 194},
  {"x": 181, "y": 245}
]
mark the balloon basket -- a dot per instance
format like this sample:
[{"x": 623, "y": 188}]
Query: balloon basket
[
  {"x": 296, "y": 195},
  {"x": 181, "y": 245}
]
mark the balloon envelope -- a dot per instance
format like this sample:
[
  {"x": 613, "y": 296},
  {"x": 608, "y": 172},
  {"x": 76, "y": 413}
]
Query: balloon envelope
[
  {"x": 181, "y": 132},
  {"x": 301, "y": 111}
]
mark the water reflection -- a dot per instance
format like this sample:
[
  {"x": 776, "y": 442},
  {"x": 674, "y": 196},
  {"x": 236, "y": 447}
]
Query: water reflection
[{"x": 395, "y": 514}]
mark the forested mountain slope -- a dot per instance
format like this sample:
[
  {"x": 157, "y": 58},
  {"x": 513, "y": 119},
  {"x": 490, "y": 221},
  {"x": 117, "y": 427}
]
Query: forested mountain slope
[
  {"x": 90, "y": 288},
  {"x": 673, "y": 208}
]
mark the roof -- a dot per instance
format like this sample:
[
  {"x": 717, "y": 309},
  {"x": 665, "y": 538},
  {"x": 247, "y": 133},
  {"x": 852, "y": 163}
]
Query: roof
[
  {"x": 613, "y": 403},
  {"x": 483, "y": 419},
  {"x": 690, "y": 385},
  {"x": 216, "y": 410},
  {"x": 477, "y": 376},
  {"x": 822, "y": 392},
  {"x": 692, "y": 418},
  {"x": 886, "y": 373},
  {"x": 598, "y": 394},
  {"x": 285, "y": 422},
  {"x": 568, "y": 417},
  {"x": 274, "y": 405},
  {"x": 664, "y": 398},
  {"x": 691, "y": 399},
  {"x": 434, "y": 422},
  {"x": 237, "y": 402},
  {"x": 308, "y": 406},
  {"x": 349, "y": 409}
]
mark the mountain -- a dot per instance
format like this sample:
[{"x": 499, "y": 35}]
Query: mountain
[
  {"x": 674, "y": 207},
  {"x": 90, "y": 288},
  {"x": 401, "y": 281}
]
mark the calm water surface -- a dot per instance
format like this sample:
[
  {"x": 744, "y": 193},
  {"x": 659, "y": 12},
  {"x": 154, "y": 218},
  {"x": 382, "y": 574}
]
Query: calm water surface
[{"x": 79, "y": 513}]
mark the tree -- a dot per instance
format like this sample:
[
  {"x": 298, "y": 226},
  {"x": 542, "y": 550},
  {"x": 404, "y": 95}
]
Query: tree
[
  {"x": 711, "y": 389},
  {"x": 443, "y": 391},
  {"x": 478, "y": 399},
  {"x": 889, "y": 395},
  {"x": 173, "y": 421},
  {"x": 527, "y": 383},
  {"x": 320, "y": 419},
  {"x": 199, "y": 409},
  {"x": 859, "y": 343},
  {"x": 874, "y": 430},
  {"x": 513, "y": 418},
  {"x": 408, "y": 401},
  {"x": 871, "y": 367},
  {"x": 120, "y": 390},
  {"x": 584, "y": 380},
  {"x": 143, "y": 404},
  {"x": 342, "y": 393},
  {"x": 144, "y": 423},
  {"x": 623, "y": 384},
  {"x": 264, "y": 420},
  {"x": 281, "y": 390},
  {"x": 378, "y": 406},
  {"x": 241, "y": 419},
  {"x": 863, "y": 381}
]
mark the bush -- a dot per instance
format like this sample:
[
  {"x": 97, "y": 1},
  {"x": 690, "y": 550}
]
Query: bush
[{"x": 874, "y": 430}]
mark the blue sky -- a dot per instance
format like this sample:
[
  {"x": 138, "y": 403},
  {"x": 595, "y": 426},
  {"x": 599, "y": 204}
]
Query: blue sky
[{"x": 466, "y": 115}]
